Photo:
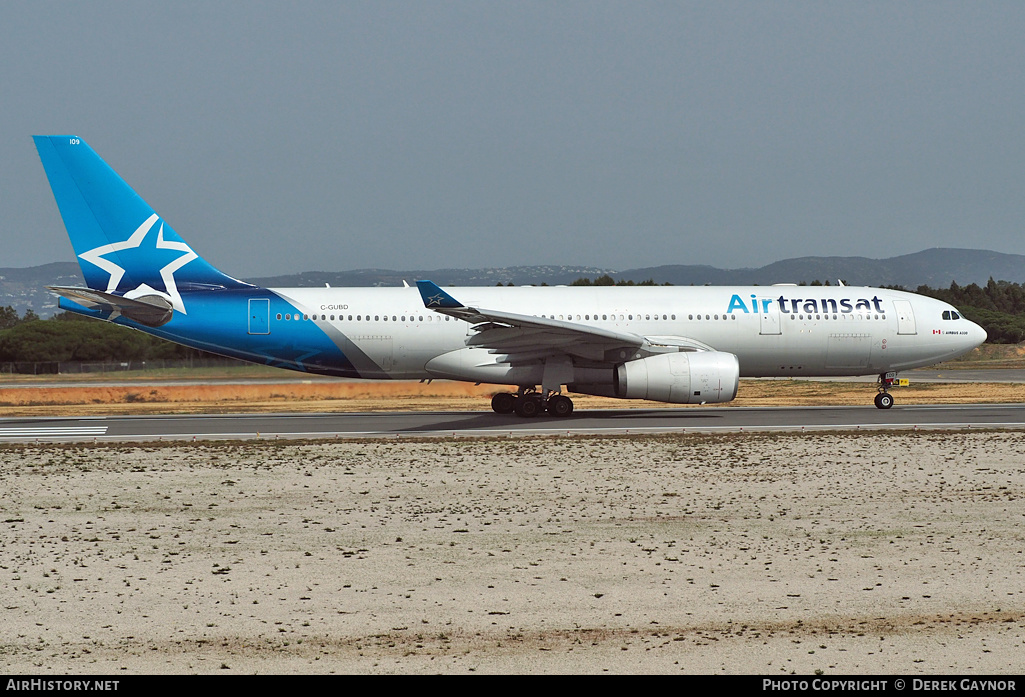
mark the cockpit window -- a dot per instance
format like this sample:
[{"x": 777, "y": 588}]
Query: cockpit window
[{"x": 950, "y": 314}]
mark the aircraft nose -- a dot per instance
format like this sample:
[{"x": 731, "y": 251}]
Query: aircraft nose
[{"x": 977, "y": 334}]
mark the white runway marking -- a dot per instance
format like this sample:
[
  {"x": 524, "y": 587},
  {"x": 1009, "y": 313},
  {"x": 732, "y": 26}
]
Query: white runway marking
[{"x": 52, "y": 431}]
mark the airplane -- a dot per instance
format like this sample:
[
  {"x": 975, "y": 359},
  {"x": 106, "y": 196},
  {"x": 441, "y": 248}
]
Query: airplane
[{"x": 678, "y": 345}]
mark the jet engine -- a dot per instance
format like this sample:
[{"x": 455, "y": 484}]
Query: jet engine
[{"x": 679, "y": 378}]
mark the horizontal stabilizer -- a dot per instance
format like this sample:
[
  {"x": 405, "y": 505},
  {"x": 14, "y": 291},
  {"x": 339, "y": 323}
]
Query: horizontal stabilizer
[{"x": 150, "y": 310}]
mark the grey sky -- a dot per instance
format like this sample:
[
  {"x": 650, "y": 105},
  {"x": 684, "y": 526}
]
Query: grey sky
[{"x": 281, "y": 137}]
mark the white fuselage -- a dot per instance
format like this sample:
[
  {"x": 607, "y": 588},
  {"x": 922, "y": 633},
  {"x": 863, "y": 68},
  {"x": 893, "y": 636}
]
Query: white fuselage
[{"x": 773, "y": 330}]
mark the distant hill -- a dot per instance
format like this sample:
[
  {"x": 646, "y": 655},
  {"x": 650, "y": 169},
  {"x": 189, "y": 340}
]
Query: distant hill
[
  {"x": 25, "y": 288},
  {"x": 933, "y": 267},
  {"x": 517, "y": 275}
]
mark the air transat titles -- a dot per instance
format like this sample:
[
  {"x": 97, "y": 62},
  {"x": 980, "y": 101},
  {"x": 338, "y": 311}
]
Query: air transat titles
[{"x": 810, "y": 305}]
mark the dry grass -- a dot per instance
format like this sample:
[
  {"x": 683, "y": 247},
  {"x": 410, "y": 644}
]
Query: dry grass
[
  {"x": 437, "y": 396},
  {"x": 989, "y": 356}
]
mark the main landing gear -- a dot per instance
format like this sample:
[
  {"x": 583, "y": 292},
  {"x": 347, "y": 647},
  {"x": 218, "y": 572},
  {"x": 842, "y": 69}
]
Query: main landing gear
[
  {"x": 884, "y": 400},
  {"x": 528, "y": 402}
]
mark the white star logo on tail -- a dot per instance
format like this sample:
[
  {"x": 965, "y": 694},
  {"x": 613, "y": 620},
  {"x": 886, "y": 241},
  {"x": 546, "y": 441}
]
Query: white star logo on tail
[{"x": 117, "y": 272}]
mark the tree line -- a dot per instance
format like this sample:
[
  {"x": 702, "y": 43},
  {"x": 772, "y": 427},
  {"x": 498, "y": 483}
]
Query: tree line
[
  {"x": 70, "y": 337},
  {"x": 606, "y": 280}
]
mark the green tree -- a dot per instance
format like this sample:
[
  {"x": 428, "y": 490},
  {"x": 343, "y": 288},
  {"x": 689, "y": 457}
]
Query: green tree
[
  {"x": 8, "y": 317},
  {"x": 71, "y": 337}
]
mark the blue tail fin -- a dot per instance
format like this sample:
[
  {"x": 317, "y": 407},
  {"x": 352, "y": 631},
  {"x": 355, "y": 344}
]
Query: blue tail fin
[{"x": 123, "y": 246}]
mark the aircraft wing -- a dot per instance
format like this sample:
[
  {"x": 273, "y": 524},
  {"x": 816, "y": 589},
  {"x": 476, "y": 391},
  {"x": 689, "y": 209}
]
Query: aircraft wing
[{"x": 527, "y": 337}]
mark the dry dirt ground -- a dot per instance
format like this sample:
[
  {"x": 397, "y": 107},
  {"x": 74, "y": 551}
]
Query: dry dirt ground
[
  {"x": 845, "y": 553},
  {"x": 328, "y": 396}
]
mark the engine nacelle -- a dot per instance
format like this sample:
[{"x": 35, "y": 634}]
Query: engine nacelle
[{"x": 680, "y": 378}]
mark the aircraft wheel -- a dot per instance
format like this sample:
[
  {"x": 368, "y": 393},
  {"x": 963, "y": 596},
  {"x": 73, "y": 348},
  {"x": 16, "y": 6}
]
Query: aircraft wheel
[
  {"x": 528, "y": 406},
  {"x": 884, "y": 400},
  {"x": 503, "y": 403},
  {"x": 560, "y": 406}
]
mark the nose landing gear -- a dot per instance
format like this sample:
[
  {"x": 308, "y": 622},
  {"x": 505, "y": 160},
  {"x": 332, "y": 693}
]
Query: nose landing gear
[{"x": 884, "y": 400}]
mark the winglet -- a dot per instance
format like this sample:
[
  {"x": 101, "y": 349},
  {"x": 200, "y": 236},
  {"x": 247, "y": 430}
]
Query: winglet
[{"x": 435, "y": 298}]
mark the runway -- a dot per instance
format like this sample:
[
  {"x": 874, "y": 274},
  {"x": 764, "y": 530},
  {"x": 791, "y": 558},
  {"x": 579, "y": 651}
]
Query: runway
[{"x": 481, "y": 423}]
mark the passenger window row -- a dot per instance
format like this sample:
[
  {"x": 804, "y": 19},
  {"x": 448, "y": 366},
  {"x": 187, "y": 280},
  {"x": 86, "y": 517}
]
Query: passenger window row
[
  {"x": 842, "y": 317},
  {"x": 947, "y": 314},
  {"x": 361, "y": 318},
  {"x": 607, "y": 317}
]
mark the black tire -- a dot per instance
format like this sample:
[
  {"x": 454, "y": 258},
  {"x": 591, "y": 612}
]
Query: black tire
[
  {"x": 503, "y": 403},
  {"x": 528, "y": 406},
  {"x": 884, "y": 400},
  {"x": 560, "y": 406}
]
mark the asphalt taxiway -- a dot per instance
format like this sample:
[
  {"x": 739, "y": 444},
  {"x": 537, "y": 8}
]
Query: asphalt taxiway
[{"x": 480, "y": 423}]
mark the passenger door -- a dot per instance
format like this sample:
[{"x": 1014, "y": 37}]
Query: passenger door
[
  {"x": 769, "y": 319},
  {"x": 259, "y": 316},
  {"x": 905, "y": 317}
]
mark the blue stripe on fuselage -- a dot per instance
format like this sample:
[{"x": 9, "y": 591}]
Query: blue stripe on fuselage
[{"x": 218, "y": 321}]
